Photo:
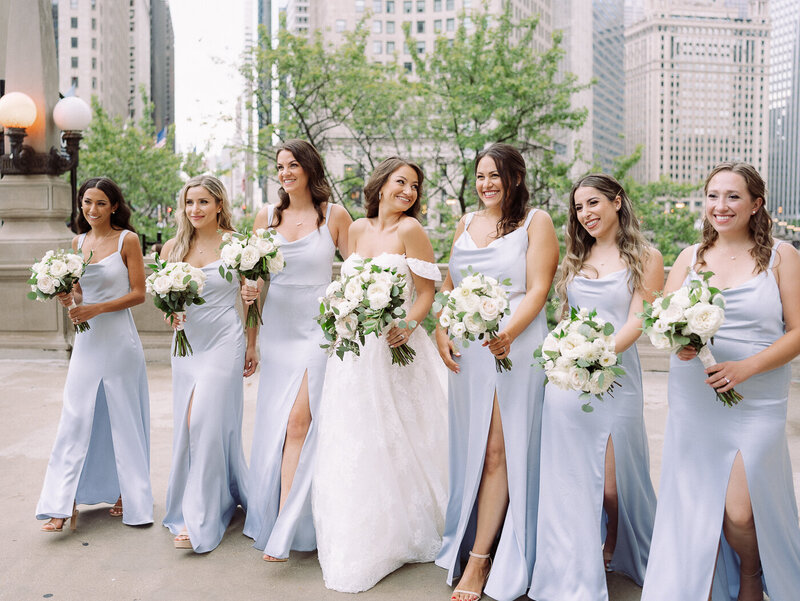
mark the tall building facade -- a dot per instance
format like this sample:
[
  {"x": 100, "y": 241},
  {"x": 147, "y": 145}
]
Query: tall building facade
[
  {"x": 783, "y": 180},
  {"x": 697, "y": 76},
  {"x": 139, "y": 65},
  {"x": 162, "y": 64}
]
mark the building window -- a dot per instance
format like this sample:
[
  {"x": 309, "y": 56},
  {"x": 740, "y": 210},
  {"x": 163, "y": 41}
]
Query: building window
[
  {"x": 73, "y": 22},
  {"x": 94, "y": 43},
  {"x": 94, "y": 83},
  {"x": 467, "y": 3},
  {"x": 389, "y": 26},
  {"x": 74, "y": 62},
  {"x": 341, "y": 25},
  {"x": 437, "y": 26},
  {"x": 377, "y": 27},
  {"x": 377, "y": 47},
  {"x": 377, "y": 6},
  {"x": 94, "y": 63},
  {"x": 408, "y": 67},
  {"x": 390, "y": 6},
  {"x": 94, "y": 4},
  {"x": 437, "y": 5},
  {"x": 389, "y": 47},
  {"x": 421, "y": 47},
  {"x": 73, "y": 42},
  {"x": 74, "y": 82},
  {"x": 359, "y": 6},
  {"x": 94, "y": 24},
  {"x": 451, "y": 5},
  {"x": 408, "y": 6},
  {"x": 420, "y": 26},
  {"x": 420, "y": 6},
  {"x": 451, "y": 24},
  {"x": 73, "y": 3}
]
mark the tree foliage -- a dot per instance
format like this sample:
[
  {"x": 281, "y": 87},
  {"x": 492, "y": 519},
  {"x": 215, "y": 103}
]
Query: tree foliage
[{"x": 148, "y": 175}]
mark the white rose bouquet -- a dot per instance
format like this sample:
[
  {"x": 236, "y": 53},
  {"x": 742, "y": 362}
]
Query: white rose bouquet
[
  {"x": 473, "y": 309},
  {"x": 174, "y": 287},
  {"x": 690, "y": 316},
  {"x": 367, "y": 302},
  {"x": 579, "y": 354},
  {"x": 55, "y": 274},
  {"x": 252, "y": 255}
]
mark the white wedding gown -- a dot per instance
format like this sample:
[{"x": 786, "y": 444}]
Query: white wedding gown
[{"x": 380, "y": 480}]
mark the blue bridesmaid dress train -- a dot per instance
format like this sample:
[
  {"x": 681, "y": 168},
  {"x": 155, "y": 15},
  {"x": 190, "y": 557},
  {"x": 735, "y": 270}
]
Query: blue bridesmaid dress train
[
  {"x": 702, "y": 439},
  {"x": 207, "y": 478},
  {"x": 470, "y": 398},
  {"x": 571, "y": 521},
  {"x": 102, "y": 449},
  {"x": 289, "y": 342}
]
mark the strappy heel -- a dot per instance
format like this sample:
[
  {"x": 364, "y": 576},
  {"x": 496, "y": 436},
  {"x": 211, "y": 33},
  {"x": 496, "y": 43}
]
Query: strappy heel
[
  {"x": 476, "y": 596},
  {"x": 50, "y": 525},
  {"x": 182, "y": 541},
  {"x": 116, "y": 511}
]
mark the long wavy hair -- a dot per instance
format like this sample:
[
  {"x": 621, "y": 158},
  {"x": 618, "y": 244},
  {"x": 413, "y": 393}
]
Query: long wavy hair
[
  {"x": 120, "y": 211},
  {"x": 633, "y": 247},
  {"x": 760, "y": 222},
  {"x": 372, "y": 190},
  {"x": 311, "y": 162},
  {"x": 511, "y": 166},
  {"x": 186, "y": 231}
]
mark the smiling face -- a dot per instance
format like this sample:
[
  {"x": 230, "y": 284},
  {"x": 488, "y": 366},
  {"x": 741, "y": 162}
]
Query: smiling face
[
  {"x": 729, "y": 204},
  {"x": 400, "y": 190},
  {"x": 488, "y": 182},
  {"x": 291, "y": 174},
  {"x": 201, "y": 207},
  {"x": 96, "y": 207},
  {"x": 596, "y": 212}
]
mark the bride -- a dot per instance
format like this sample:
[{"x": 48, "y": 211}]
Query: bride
[{"x": 380, "y": 481}]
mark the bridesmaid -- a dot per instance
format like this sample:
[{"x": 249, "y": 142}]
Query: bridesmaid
[
  {"x": 726, "y": 496},
  {"x": 207, "y": 479},
  {"x": 102, "y": 449},
  {"x": 495, "y": 418},
  {"x": 603, "y": 482},
  {"x": 309, "y": 228}
]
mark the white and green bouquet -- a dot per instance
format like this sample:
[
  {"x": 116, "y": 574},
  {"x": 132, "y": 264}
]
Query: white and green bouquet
[
  {"x": 55, "y": 274},
  {"x": 253, "y": 255},
  {"x": 690, "y": 316},
  {"x": 473, "y": 310},
  {"x": 174, "y": 287},
  {"x": 369, "y": 301},
  {"x": 579, "y": 354}
]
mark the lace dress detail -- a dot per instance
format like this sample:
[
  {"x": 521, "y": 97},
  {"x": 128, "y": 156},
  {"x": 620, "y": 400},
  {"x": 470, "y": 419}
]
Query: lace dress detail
[{"x": 380, "y": 481}]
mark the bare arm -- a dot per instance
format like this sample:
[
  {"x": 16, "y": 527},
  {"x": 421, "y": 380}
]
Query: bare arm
[
  {"x": 445, "y": 346},
  {"x": 652, "y": 281},
  {"x": 76, "y": 294},
  {"x": 340, "y": 226}
]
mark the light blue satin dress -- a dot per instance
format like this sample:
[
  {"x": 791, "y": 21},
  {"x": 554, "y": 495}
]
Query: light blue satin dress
[
  {"x": 701, "y": 441},
  {"x": 102, "y": 448},
  {"x": 289, "y": 342},
  {"x": 208, "y": 475},
  {"x": 571, "y": 522},
  {"x": 519, "y": 395}
]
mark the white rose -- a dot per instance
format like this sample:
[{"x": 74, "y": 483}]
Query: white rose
[
  {"x": 660, "y": 341},
  {"x": 260, "y": 231},
  {"x": 264, "y": 245},
  {"x": 489, "y": 308},
  {"x": 162, "y": 284},
  {"x": 229, "y": 255},
  {"x": 705, "y": 320},
  {"x": 177, "y": 277},
  {"x": 45, "y": 283},
  {"x": 333, "y": 288},
  {"x": 458, "y": 329},
  {"x": 655, "y": 311},
  {"x": 345, "y": 306},
  {"x": 705, "y": 295},
  {"x": 550, "y": 344},
  {"x": 578, "y": 377},
  {"x": 474, "y": 323},
  {"x": 559, "y": 377},
  {"x": 466, "y": 300},
  {"x": 353, "y": 290},
  {"x": 660, "y": 326},
  {"x": 445, "y": 320},
  {"x": 607, "y": 359},
  {"x": 672, "y": 314},
  {"x": 471, "y": 283},
  {"x": 227, "y": 237},
  {"x": 379, "y": 294},
  {"x": 58, "y": 268},
  {"x": 346, "y": 326},
  {"x": 571, "y": 344},
  {"x": 276, "y": 263},
  {"x": 75, "y": 265},
  {"x": 680, "y": 298},
  {"x": 249, "y": 258},
  {"x": 586, "y": 350},
  {"x": 563, "y": 363}
]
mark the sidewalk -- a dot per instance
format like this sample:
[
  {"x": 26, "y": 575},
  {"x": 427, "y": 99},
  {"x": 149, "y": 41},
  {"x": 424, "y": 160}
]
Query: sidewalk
[{"x": 105, "y": 561}]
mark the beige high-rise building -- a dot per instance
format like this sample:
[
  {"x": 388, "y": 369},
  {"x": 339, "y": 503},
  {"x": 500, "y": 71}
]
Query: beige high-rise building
[
  {"x": 103, "y": 49},
  {"x": 697, "y": 74}
]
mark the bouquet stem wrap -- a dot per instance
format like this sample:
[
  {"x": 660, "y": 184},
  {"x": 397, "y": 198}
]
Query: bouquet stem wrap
[
  {"x": 181, "y": 348},
  {"x": 500, "y": 365},
  {"x": 80, "y": 326},
  {"x": 403, "y": 354},
  {"x": 253, "y": 311},
  {"x": 729, "y": 398}
]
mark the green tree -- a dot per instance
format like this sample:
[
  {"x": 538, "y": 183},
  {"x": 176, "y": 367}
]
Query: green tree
[{"x": 149, "y": 175}]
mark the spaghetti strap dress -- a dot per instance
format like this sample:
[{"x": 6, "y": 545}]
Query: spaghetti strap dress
[
  {"x": 702, "y": 439},
  {"x": 571, "y": 522},
  {"x": 470, "y": 397},
  {"x": 289, "y": 343},
  {"x": 207, "y": 479},
  {"x": 102, "y": 449}
]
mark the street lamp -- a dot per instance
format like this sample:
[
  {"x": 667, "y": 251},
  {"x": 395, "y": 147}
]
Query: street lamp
[{"x": 17, "y": 113}]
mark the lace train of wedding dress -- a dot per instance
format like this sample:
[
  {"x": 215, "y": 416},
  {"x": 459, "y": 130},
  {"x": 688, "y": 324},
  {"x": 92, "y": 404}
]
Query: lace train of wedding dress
[{"x": 380, "y": 481}]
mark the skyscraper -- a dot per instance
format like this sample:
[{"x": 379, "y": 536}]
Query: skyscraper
[
  {"x": 696, "y": 86},
  {"x": 162, "y": 64},
  {"x": 783, "y": 181}
]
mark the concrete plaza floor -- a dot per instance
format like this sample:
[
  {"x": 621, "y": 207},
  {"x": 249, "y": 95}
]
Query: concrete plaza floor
[{"x": 106, "y": 561}]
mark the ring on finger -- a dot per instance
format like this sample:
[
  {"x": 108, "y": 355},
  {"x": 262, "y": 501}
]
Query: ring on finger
[{"x": 727, "y": 380}]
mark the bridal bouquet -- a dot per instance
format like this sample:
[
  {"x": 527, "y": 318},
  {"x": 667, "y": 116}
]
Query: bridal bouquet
[
  {"x": 174, "y": 287},
  {"x": 253, "y": 256},
  {"x": 579, "y": 354},
  {"x": 473, "y": 309},
  {"x": 366, "y": 302},
  {"x": 690, "y": 316},
  {"x": 55, "y": 274}
]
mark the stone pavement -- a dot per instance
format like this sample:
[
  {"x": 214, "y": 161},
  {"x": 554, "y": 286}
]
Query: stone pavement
[{"x": 106, "y": 561}]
